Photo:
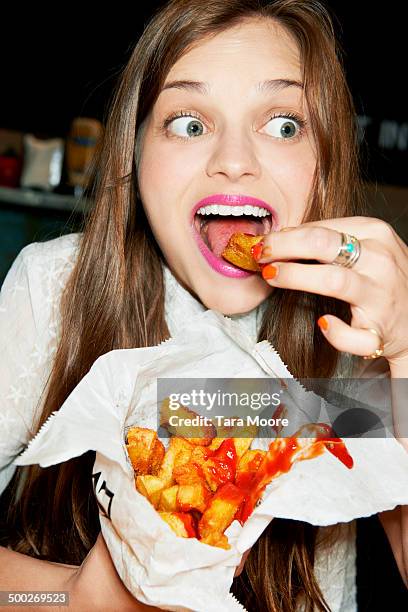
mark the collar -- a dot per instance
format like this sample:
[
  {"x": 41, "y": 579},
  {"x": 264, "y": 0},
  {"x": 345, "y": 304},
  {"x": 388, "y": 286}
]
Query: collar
[{"x": 180, "y": 305}]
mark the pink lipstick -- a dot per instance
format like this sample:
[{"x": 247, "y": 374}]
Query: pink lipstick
[{"x": 230, "y": 200}]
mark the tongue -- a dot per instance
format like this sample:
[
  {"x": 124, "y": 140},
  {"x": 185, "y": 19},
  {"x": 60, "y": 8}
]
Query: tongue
[{"x": 220, "y": 230}]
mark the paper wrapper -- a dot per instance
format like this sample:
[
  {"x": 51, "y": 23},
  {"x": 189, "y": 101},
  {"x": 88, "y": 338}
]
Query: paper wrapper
[{"x": 158, "y": 567}]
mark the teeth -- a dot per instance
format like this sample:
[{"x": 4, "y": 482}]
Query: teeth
[{"x": 236, "y": 211}]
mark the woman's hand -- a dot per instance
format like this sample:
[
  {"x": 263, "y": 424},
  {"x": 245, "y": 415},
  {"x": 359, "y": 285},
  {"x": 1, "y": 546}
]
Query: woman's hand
[
  {"x": 376, "y": 287},
  {"x": 97, "y": 586}
]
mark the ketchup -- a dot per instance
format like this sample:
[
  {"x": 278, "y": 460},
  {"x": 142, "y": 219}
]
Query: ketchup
[
  {"x": 224, "y": 463},
  {"x": 245, "y": 488},
  {"x": 279, "y": 460},
  {"x": 188, "y": 523}
]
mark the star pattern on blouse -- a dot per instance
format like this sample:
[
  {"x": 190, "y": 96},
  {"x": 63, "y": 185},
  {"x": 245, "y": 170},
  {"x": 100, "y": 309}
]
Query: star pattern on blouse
[
  {"x": 39, "y": 354},
  {"x": 28, "y": 372},
  {"x": 6, "y": 420},
  {"x": 16, "y": 394}
]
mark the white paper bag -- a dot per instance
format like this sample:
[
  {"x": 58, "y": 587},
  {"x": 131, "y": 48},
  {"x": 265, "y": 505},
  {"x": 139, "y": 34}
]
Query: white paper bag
[{"x": 158, "y": 567}]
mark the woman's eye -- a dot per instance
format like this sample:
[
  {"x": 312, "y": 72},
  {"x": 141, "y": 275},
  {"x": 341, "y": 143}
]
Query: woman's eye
[
  {"x": 186, "y": 127},
  {"x": 283, "y": 127}
]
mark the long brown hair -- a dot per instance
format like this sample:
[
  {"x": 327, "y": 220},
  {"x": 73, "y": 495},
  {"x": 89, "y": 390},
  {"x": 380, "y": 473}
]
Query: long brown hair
[{"x": 115, "y": 295}]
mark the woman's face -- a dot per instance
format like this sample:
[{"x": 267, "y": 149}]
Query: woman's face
[{"x": 230, "y": 129}]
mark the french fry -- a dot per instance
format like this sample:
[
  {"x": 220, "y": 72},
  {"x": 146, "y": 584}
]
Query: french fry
[
  {"x": 178, "y": 453},
  {"x": 238, "y": 251},
  {"x": 200, "y": 454},
  {"x": 168, "y": 499},
  {"x": 140, "y": 446},
  {"x": 151, "y": 487},
  {"x": 189, "y": 474},
  {"x": 221, "y": 510},
  {"x": 183, "y": 450},
  {"x": 242, "y": 435},
  {"x": 223, "y": 431},
  {"x": 193, "y": 497},
  {"x": 199, "y": 489},
  {"x": 157, "y": 457},
  {"x": 217, "y": 539},
  {"x": 248, "y": 466},
  {"x": 216, "y": 443},
  {"x": 250, "y": 460},
  {"x": 180, "y": 522},
  {"x": 141, "y": 436},
  {"x": 203, "y": 433},
  {"x": 242, "y": 445},
  {"x": 220, "y": 467}
]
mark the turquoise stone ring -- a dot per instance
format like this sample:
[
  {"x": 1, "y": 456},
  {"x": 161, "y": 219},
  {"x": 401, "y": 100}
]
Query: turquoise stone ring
[{"x": 349, "y": 251}]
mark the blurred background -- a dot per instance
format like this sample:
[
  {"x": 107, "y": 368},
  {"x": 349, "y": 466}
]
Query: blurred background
[{"x": 58, "y": 71}]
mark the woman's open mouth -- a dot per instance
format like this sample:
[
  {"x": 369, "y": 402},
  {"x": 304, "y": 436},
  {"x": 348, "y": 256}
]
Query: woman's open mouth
[{"x": 214, "y": 223}]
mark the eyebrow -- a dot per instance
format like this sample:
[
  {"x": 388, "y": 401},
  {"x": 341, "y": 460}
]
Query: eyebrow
[{"x": 268, "y": 86}]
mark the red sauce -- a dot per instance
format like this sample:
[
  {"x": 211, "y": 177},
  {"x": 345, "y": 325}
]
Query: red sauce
[
  {"x": 230, "y": 493},
  {"x": 279, "y": 460},
  {"x": 224, "y": 463},
  {"x": 335, "y": 445},
  {"x": 339, "y": 450},
  {"x": 243, "y": 479},
  {"x": 188, "y": 523},
  {"x": 207, "y": 453},
  {"x": 185, "y": 507},
  {"x": 244, "y": 489}
]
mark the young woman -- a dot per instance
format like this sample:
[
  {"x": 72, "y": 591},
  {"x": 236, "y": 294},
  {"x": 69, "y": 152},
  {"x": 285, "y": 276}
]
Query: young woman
[{"x": 244, "y": 106}]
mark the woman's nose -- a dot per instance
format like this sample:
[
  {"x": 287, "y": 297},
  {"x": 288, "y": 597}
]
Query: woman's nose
[{"x": 233, "y": 156}]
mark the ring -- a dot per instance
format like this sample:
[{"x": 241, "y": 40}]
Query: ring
[
  {"x": 380, "y": 350},
  {"x": 349, "y": 251}
]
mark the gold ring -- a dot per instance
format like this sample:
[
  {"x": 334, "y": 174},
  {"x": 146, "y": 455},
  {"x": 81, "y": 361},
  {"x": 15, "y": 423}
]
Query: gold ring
[{"x": 380, "y": 350}]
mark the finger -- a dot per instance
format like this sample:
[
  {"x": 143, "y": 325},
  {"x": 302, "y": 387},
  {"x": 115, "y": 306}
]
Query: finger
[
  {"x": 323, "y": 279},
  {"x": 362, "y": 342},
  {"x": 320, "y": 244},
  {"x": 359, "y": 226}
]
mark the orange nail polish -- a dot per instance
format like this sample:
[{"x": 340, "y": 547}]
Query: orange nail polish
[
  {"x": 323, "y": 323},
  {"x": 269, "y": 272},
  {"x": 256, "y": 250}
]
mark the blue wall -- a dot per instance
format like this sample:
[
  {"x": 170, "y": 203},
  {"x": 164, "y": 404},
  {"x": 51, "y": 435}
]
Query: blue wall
[{"x": 20, "y": 226}]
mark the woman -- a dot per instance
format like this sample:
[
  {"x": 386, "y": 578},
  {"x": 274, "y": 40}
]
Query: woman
[{"x": 233, "y": 104}]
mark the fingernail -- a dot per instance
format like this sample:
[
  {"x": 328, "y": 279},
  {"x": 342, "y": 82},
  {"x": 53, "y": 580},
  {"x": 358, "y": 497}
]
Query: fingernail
[
  {"x": 256, "y": 250},
  {"x": 269, "y": 272},
  {"x": 323, "y": 323},
  {"x": 266, "y": 252}
]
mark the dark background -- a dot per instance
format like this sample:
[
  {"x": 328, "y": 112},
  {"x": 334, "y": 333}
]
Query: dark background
[
  {"x": 56, "y": 66},
  {"x": 59, "y": 65}
]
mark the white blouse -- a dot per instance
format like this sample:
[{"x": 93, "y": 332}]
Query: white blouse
[{"x": 29, "y": 331}]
